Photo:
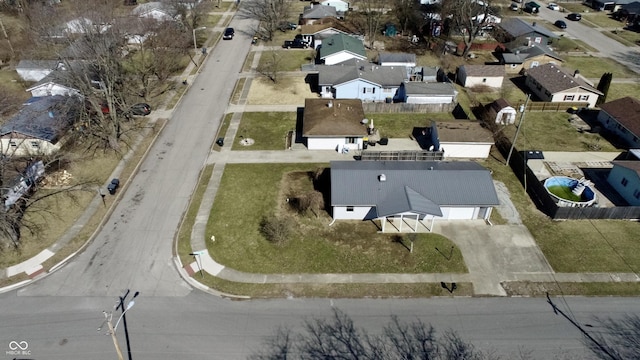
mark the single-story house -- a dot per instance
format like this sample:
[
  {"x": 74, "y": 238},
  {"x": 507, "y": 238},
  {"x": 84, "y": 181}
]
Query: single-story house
[
  {"x": 357, "y": 79},
  {"x": 622, "y": 118},
  {"x": 516, "y": 32},
  {"x": 552, "y": 83},
  {"x": 412, "y": 192},
  {"x": 56, "y": 83},
  {"x": 316, "y": 33},
  {"x": 624, "y": 177},
  {"x": 417, "y": 92},
  {"x": 314, "y": 14},
  {"x": 397, "y": 59},
  {"x": 501, "y": 112},
  {"x": 38, "y": 127},
  {"x": 527, "y": 57},
  {"x": 339, "y": 5},
  {"x": 36, "y": 70},
  {"x": 334, "y": 124},
  {"x": 478, "y": 75},
  {"x": 156, "y": 10},
  {"x": 459, "y": 139},
  {"x": 339, "y": 47}
]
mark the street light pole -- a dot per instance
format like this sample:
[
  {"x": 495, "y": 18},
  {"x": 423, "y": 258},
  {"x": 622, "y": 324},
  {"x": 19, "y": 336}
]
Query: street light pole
[
  {"x": 513, "y": 144},
  {"x": 123, "y": 317},
  {"x": 112, "y": 331},
  {"x": 195, "y": 44}
]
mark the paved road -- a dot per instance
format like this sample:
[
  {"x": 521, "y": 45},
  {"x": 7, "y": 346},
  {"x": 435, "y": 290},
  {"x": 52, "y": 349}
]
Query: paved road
[
  {"x": 200, "y": 326},
  {"x": 607, "y": 47}
]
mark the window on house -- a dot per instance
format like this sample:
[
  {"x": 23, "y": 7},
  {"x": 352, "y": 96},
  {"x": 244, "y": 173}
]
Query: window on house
[
  {"x": 546, "y": 92},
  {"x": 484, "y": 80},
  {"x": 583, "y": 97},
  {"x": 13, "y": 143},
  {"x": 534, "y": 64},
  {"x": 34, "y": 144},
  {"x": 569, "y": 97},
  {"x": 352, "y": 140},
  {"x": 624, "y": 181},
  {"x": 636, "y": 194},
  {"x": 349, "y": 208},
  {"x": 538, "y": 40}
]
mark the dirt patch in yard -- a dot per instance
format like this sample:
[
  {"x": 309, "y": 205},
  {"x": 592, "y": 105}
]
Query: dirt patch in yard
[{"x": 287, "y": 91}]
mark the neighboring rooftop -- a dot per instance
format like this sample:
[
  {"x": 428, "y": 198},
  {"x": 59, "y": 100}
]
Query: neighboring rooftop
[
  {"x": 555, "y": 79},
  {"x": 333, "y": 117},
  {"x": 626, "y": 111}
]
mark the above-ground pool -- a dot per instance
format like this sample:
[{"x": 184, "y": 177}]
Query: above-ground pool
[{"x": 570, "y": 192}]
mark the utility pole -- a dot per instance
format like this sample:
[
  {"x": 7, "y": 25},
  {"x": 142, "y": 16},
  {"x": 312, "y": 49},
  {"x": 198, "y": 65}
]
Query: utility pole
[
  {"x": 523, "y": 108},
  {"x": 108, "y": 317},
  {"x": 124, "y": 309}
]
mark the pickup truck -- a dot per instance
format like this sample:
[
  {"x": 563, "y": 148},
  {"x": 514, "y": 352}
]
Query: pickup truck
[{"x": 295, "y": 43}]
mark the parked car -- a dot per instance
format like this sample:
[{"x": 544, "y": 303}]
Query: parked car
[
  {"x": 113, "y": 186},
  {"x": 560, "y": 24},
  {"x": 514, "y": 6},
  {"x": 141, "y": 109},
  {"x": 553, "y": 6},
  {"x": 574, "y": 17},
  {"x": 228, "y": 33},
  {"x": 295, "y": 43},
  {"x": 284, "y": 26}
]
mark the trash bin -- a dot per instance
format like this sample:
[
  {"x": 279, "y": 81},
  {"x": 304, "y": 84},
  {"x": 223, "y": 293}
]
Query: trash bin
[
  {"x": 364, "y": 146},
  {"x": 383, "y": 141},
  {"x": 220, "y": 141}
]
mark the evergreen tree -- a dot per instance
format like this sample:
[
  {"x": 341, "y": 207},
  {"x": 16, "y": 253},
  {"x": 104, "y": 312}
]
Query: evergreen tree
[{"x": 603, "y": 86}]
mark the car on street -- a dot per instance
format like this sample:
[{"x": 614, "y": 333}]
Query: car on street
[
  {"x": 228, "y": 33},
  {"x": 514, "y": 6},
  {"x": 295, "y": 44},
  {"x": 574, "y": 17},
  {"x": 141, "y": 109},
  {"x": 553, "y": 6},
  {"x": 560, "y": 24},
  {"x": 113, "y": 186},
  {"x": 284, "y": 26}
]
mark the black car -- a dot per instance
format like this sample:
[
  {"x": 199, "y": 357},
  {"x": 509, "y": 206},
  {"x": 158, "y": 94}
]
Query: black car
[
  {"x": 295, "y": 43},
  {"x": 284, "y": 26},
  {"x": 141, "y": 109},
  {"x": 228, "y": 33},
  {"x": 574, "y": 17},
  {"x": 561, "y": 24},
  {"x": 113, "y": 186}
]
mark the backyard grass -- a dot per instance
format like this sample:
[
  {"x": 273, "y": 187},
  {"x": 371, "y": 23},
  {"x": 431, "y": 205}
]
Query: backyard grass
[
  {"x": 249, "y": 192},
  {"x": 287, "y": 60},
  {"x": 267, "y": 129},
  {"x": 620, "y": 90},
  {"x": 594, "y": 67},
  {"x": 400, "y": 125},
  {"x": 551, "y": 131}
]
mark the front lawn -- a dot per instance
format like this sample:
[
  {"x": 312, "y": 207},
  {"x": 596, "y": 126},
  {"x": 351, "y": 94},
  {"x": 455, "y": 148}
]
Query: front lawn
[
  {"x": 594, "y": 67},
  {"x": 620, "y": 90},
  {"x": 267, "y": 129},
  {"x": 249, "y": 192},
  {"x": 286, "y": 60}
]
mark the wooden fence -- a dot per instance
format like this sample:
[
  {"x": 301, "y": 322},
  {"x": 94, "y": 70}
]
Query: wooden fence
[
  {"x": 541, "y": 106},
  {"x": 406, "y": 155},
  {"x": 380, "y": 107}
]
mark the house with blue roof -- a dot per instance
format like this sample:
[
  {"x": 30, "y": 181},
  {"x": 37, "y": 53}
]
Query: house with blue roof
[
  {"x": 37, "y": 129},
  {"x": 340, "y": 47},
  {"x": 410, "y": 195}
]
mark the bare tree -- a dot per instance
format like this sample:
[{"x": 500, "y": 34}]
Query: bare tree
[
  {"x": 407, "y": 14},
  {"x": 271, "y": 66},
  {"x": 618, "y": 339},
  {"x": 467, "y": 18},
  {"x": 277, "y": 229},
  {"x": 339, "y": 338},
  {"x": 369, "y": 14},
  {"x": 310, "y": 201},
  {"x": 270, "y": 13}
]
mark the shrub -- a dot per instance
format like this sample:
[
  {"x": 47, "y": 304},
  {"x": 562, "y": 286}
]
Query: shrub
[{"x": 277, "y": 229}]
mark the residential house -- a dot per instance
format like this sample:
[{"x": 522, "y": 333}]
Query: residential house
[
  {"x": 36, "y": 70},
  {"x": 318, "y": 14},
  {"x": 481, "y": 75},
  {"x": 316, "y": 33},
  {"x": 516, "y": 32},
  {"x": 334, "y": 124},
  {"x": 552, "y": 83},
  {"x": 622, "y": 118},
  {"x": 526, "y": 57},
  {"x": 624, "y": 177},
  {"x": 339, "y": 47},
  {"x": 411, "y": 192},
  {"x": 501, "y": 112},
  {"x": 339, "y": 5},
  {"x": 358, "y": 79},
  {"x": 458, "y": 139},
  {"x": 608, "y": 5},
  {"x": 38, "y": 127},
  {"x": 628, "y": 13},
  {"x": 417, "y": 92},
  {"x": 56, "y": 83},
  {"x": 155, "y": 10},
  {"x": 397, "y": 59}
]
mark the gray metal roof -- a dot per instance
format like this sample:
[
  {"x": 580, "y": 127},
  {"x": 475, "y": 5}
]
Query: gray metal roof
[
  {"x": 396, "y": 58},
  {"x": 517, "y": 27},
  {"x": 46, "y": 118},
  {"x": 444, "y": 183},
  {"x": 354, "y": 69},
  {"x": 407, "y": 200},
  {"x": 319, "y": 12},
  {"x": 418, "y": 88},
  {"x": 37, "y": 64}
]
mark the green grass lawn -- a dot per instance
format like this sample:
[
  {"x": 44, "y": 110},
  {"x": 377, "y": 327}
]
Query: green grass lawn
[
  {"x": 620, "y": 90},
  {"x": 267, "y": 129},
  {"x": 602, "y": 19},
  {"x": 594, "y": 67},
  {"x": 400, "y": 125},
  {"x": 627, "y": 37},
  {"x": 288, "y": 60},
  {"x": 248, "y": 192}
]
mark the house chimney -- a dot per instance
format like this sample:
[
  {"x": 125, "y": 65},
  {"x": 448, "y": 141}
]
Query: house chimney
[
  {"x": 533, "y": 24},
  {"x": 576, "y": 73}
]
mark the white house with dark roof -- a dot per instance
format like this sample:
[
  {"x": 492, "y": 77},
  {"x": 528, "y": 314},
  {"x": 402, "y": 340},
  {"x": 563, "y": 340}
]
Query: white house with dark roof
[
  {"x": 414, "y": 192},
  {"x": 552, "y": 83},
  {"x": 37, "y": 129},
  {"x": 527, "y": 57},
  {"x": 515, "y": 32},
  {"x": 55, "y": 83},
  {"x": 417, "y": 92},
  {"x": 624, "y": 177},
  {"x": 460, "y": 139},
  {"x": 357, "y": 79},
  {"x": 334, "y": 124},
  {"x": 339, "y": 5},
  {"x": 481, "y": 75},
  {"x": 35, "y": 70},
  {"x": 314, "y": 14},
  {"x": 155, "y": 10},
  {"x": 339, "y": 47},
  {"x": 397, "y": 59},
  {"x": 622, "y": 118}
]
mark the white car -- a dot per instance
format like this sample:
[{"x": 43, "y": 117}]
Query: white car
[{"x": 553, "y": 6}]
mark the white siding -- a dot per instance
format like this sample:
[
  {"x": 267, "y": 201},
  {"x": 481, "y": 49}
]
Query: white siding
[
  {"x": 565, "y": 96},
  {"x": 340, "y": 57},
  {"x": 337, "y": 144},
  {"x": 491, "y": 81},
  {"x": 358, "y": 213},
  {"x": 430, "y": 99},
  {"x": 466, "y": 150},
  {"x": 53, "y": 89},
  {"x": 459, "y": 213},
  {"x": 26, "y": 147},
  {"x": 33, "y": 74}
]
